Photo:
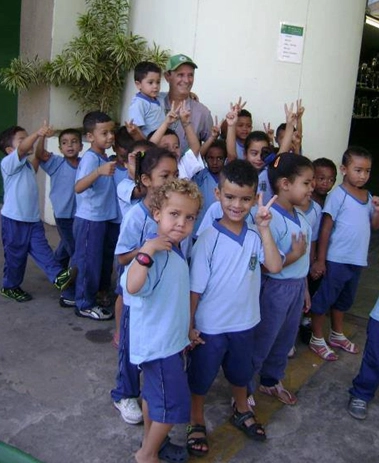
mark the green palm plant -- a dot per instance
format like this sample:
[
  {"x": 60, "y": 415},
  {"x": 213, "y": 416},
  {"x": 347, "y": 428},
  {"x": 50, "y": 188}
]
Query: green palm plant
[{"x": 93, "y": 65}]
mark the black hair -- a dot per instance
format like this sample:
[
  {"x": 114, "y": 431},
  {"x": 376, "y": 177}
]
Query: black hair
[
  {"x": 358, "y": 151},
  {"x": 143, "y": 68},
  {"x": 7, "y": 136},
  {"x": 245, "y": 113},
  {"x": 147, "y": 161},
  {"x": 142, "y": 145},
  {"x": 75, "y": 132},
  {"x": 287, "y": 165},
  {"x": 239, "y": 172},
  {"x": 281, "y": 127},
  {"x": 92, "y": 118},
  {"x": 123, "y": 139},
  {"x": 325, "y": 162},
  {"x": 168, "y": 132},
  {"x": 220, "y": 144},
  {"x": 256, "y": 135}
]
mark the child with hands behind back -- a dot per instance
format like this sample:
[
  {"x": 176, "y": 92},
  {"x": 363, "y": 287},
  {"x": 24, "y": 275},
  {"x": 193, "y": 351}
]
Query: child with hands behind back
[
  {"x": 344, "y": 238},
  {"x": 159, "y": 325},
  {"x": 226, "y": 260}
]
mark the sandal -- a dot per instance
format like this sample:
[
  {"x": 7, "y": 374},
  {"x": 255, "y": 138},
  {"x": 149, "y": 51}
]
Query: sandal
[
  {"x": 194, "y": 442},
  {"x": 343, "y": 343},
  {"x": 172, "y": 453},
  {"x": 323, "y": 351},
  {"x": 279, "y": 392},
  {"x": 253, "y": 431}
]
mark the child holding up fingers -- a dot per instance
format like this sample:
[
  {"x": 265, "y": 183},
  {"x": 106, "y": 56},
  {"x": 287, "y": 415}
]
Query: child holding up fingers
[{"x": 95, "y": 231}]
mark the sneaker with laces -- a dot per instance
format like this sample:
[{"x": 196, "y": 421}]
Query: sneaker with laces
[
  {"x": 95, "y": 313},
  {"x": 17, "y": 294},
  {"x": 130, "y": 410},
  {"x": 65, "y": 278},
  {"x": 357, "y": 408}
]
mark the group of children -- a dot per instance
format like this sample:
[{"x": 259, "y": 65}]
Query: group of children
[{"x": 264, "y": 238}]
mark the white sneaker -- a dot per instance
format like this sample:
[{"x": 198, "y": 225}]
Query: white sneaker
[{"x": 130, "y": 410}]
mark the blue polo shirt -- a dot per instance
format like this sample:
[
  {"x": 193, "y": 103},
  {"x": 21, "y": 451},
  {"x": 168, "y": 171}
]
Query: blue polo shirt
[
  {"x": 20, "y": 189},
  {"x": 98, "y": 202},
  {"x": 146, "y": 112},
  {"x": 62, "y": 180}
]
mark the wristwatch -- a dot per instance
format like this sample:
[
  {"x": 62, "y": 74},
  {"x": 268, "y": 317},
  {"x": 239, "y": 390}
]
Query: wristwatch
[{"x": 144, "y": 259}]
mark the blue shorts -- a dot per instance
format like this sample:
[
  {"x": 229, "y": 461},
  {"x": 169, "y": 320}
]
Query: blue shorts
[
  {"x": 120, "y": 270},
  {"x": 232, "y": 351},
  {"x": 337, "y": 289},
  {"x": 166, "y": 390}
]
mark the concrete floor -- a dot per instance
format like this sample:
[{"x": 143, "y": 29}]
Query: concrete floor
[{"x": 56, "y": 371}]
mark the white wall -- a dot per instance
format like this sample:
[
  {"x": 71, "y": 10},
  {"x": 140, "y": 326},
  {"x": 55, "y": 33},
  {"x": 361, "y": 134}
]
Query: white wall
[{"x": 235, "y": 47}]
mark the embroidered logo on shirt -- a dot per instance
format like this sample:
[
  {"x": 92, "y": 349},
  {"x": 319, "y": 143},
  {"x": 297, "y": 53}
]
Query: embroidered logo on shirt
[{"x": 253, "y": 262}]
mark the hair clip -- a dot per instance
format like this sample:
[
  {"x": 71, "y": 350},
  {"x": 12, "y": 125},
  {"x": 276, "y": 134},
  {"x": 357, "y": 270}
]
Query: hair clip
[{"x": 276, "y": 163}]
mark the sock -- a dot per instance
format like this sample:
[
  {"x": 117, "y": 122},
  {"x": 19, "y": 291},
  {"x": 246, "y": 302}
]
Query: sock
[
  {"x": 337, "y": 336},
  {"x": 317, "y": 341}
]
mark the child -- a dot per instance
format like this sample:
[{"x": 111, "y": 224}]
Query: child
[
  {"x": 22, "y": 228},
  {"x": 366, "y": 382},
  {"x": 325, "y": 178},
  {"x": 226, "y": 260},
  {"x": 342, "y": 251},
  {"x": 190, "y": 162},
  {"x": 208, "y": 178},
  {"x": 159, "y": 332},
  {"x": 62, "y": 173},
  {"x": 154, "y": 168},
  {"x": 95, "y": 233},
  {"x": 283, "y": 294},
  {"x": 145, "y": 109}
]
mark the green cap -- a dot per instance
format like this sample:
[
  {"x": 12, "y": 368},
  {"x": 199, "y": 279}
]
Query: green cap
[{"x": 177, "y": 60}]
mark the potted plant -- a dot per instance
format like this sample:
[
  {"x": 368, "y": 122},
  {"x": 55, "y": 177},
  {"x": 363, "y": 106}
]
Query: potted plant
[{"x": 93, "y": 65}]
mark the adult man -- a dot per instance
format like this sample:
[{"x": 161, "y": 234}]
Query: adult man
[{"x": 180, "y": 75}]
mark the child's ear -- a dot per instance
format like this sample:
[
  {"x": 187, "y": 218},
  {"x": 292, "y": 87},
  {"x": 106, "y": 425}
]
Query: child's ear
[
  {"x": 138, "y": 84},
  {"x": 343, "y": 169},
  {"x": 218, "y": 193},
  {"x": 157, "y": 215},
  {"x": 89, "y": 137},
  {"x": 145, "y": 180},
  {"x": 9, "y": 149},
  {"x": 283, "y": 184}
]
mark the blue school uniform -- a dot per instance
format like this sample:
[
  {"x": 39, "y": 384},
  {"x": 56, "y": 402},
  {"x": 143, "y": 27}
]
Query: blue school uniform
[
  {"x": 207, "y": 183},
  {"x": 136, "y": 225},
  {"x": 62, "y": 196},
  {"x": 347, "y": 250},
  {"x": 124, "y": 195},
  {"x": 147, "y": 113},
  {"x": 222, "y": 264},
  {"x": 159, "y": 334},
  {"x": 313, "y": 214},
  {"x": 95, "y": 234},
  {"x": 282, "y": 299},
  {"x": 264, "y": 186},
  {"x": 366, "y": 383},
  {"x": 22, "y": 229}
]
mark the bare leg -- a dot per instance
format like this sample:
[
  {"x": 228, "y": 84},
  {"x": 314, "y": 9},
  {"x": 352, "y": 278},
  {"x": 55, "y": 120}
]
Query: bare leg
[
  {"x": 197, "y": 417},
  {"x": 154, "y": 435},
  {"x": 337, "y": 320},
  {"x": 317, "y": 325}
]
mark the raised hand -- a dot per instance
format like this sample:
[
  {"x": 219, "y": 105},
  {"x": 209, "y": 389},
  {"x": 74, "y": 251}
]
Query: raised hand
[
  {"x": 238, "y": 106},
  {"x": 184, "y": 113},
  {"x": 269, "y": 131},
  {"x": 263, "y": 215},
  {"x": 290, "y": 115},
  {"x": 173, "y": 115},
  {"x": 46, "y": 130},
  {"x": 299, "y": 109},
  {"x": 216, "y": 129},
  {"x": 232, "y": 116}
]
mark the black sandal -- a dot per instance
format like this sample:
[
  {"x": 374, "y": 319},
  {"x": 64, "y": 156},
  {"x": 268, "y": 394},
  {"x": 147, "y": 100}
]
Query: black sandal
[
  {"x": 172, "y": 453},
  {"x": 193, "y": 442},
  {"x": 254, "y": 431}
]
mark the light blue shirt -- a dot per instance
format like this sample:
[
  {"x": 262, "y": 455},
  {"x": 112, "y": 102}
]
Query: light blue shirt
[
  {"x": 240, "y": 150},
  {"x": 148, "y": 113},
  {"x": 120, "y": 174},
  {"x": 375, "y": 311},
  {"x": 20, "y": 189},
  {"x": 62, "y": 180},
  {"x": 264, "y": 186},
  {"x": 283, "y": 226},
  {"x": 160, "y": 311},
  {"x": 207, "y": 183},
  {"x": 124, "y": 195},
  {"x": 97, "y": 203},
  {"x": 350, "y": 236},
  {"x": 313, "y": 214},
  {"x": 225, "y": 270}
]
